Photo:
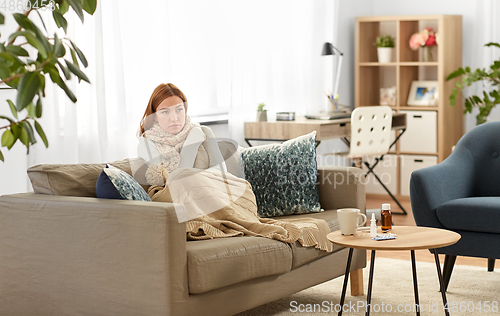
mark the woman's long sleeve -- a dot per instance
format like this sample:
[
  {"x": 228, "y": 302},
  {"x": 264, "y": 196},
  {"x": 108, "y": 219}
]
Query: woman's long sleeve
[{"x": 155, "y": 174}]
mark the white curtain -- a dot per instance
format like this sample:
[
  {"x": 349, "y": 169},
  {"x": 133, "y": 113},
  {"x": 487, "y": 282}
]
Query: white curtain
[
  {"x": 102, "y": 124},
  {"x": 277, "y": 58},
  {"x": 226, "y": 55},
  {"x": 486, "y": 29}
]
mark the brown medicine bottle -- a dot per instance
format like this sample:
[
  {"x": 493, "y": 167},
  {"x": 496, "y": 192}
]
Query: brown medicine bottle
[{"x": 386, "y": 224}]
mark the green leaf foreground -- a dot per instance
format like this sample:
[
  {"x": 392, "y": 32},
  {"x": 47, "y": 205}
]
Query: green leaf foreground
[
  {"x": 38, "y": 109},
  {"x": 17, "y": 50},
  {"x": 28, "y": 87},
  {"x": 12, "y": 108},
  {"x": 80, "y": 55},
  {"x": 23, "y": 21},
  {"x": 28, "y": 55},
  {"x": 31, "y": 110},
  {"x": 8, "y": 139},
  {"x": 32, "y": 40},
  {"x": 489, "y": 99},
  {"x": 90, "y": 6},
  {"x": 74, "y": 69},
  {"x": 77, "y": 6},
  {"x": 59, "y": 50},
  {"x": 40, "y": 132},
  {"x": 60, "y": 21}
]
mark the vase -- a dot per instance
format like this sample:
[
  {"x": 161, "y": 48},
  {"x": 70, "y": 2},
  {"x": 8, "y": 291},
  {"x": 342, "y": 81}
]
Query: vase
[
  {"x": 384, "y": 54},
  {"x": 428, "y": 53},
  {"x": 262, "y": 116}
]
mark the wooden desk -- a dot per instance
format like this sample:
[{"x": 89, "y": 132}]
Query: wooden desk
[{"x": 325, "y": 129}]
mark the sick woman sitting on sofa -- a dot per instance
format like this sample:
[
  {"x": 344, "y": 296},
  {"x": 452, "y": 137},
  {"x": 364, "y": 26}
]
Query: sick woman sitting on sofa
[
  {"x": 215, "y": 203},
  {"x": 164, "y": 128}
]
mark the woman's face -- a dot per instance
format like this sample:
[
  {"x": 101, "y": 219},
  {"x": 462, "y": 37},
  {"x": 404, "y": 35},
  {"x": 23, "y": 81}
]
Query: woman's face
[{"x": 171, "y": 115}]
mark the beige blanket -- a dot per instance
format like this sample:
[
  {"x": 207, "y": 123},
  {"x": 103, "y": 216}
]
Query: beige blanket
[{"x": 234, "y": 210}]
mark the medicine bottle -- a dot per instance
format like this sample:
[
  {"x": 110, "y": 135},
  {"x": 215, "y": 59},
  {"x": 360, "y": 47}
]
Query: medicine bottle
[
  {"x": 373, "y": 226},
  {"x": 386, "y": 224}
]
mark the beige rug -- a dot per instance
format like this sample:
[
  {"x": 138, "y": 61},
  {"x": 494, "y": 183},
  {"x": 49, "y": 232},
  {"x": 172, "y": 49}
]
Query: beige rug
[{"x": 472, "y": 291}]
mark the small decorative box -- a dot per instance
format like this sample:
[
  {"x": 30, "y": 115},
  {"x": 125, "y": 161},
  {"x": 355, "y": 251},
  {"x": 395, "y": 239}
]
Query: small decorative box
[{"x": 285, "y": 116}]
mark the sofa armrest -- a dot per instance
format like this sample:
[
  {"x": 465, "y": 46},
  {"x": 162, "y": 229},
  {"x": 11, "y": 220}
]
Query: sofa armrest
[
  {"x": 71, "y": 255},
  {"x": 341, "y": 187}
]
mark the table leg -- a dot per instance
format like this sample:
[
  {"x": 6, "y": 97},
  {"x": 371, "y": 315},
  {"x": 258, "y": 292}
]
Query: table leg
[
  {"x": 370, "y": 283},
  {"x": 346, "y": 278},
  {"x": 441, "y": 283},
  {"x": 415, "y": 284}
]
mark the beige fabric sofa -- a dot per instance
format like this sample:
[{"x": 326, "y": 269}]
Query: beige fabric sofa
[{"x": 79, "y": 255}]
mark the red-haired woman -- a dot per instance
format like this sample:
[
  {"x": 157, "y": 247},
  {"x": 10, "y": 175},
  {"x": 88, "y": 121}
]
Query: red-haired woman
[
  {"x": 214, "y": 201},
  {"x": 164, "y": 129}
]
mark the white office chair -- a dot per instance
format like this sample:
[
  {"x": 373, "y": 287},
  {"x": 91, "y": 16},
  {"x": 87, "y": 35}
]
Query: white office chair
[
  {"x": 371, "y": 135},
  {"x": 370, "y": 131}
]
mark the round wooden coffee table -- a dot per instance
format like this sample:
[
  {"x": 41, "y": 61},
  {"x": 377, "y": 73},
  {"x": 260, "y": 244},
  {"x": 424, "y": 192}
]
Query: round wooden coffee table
[{"x": 408, "y": 238}]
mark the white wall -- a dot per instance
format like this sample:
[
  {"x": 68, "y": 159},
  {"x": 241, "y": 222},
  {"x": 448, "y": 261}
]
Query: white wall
[{"x": 349, "y": 10}]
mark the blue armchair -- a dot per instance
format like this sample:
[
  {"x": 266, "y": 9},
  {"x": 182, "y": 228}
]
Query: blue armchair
[{"x": 462, "y": 194}]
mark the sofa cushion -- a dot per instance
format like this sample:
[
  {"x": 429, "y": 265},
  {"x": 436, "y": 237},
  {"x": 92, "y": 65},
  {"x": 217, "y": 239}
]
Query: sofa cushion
[
  {"x": 114, "y": 183},
  {"x": 283, "y": 176},
  {"x": 302, "y": 255},
  {"x": 477, "y": 214},
  {"x": 70, "y": 179},
  {"x": 216, "y": 263}
]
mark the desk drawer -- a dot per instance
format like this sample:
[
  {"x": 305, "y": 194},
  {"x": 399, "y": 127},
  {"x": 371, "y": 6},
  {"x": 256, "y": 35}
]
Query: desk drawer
[{"x": 334, "y": 131}]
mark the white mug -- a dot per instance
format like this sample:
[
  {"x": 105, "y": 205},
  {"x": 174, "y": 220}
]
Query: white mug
[{"x": 349, "y": 220}]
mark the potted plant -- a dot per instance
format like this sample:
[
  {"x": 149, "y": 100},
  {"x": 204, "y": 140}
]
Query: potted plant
[
  {"x": 491, "y": 97},
  {"x": 385, "y": 47},
  {"x": 261, "y": 113},
  {"x": 30, "y": 56}
]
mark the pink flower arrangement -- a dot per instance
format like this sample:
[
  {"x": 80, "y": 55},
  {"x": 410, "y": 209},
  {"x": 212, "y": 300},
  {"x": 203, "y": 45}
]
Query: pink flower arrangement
[{"x": 426, "y": 37}]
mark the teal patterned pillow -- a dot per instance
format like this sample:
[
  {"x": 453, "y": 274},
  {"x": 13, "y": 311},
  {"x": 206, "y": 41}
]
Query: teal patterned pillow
[
  {"x": 114, "y": 183},
  {"x": 283, "y": 176}
]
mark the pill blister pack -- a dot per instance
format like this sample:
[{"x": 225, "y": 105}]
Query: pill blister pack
[{"x": 384, "y": 237}]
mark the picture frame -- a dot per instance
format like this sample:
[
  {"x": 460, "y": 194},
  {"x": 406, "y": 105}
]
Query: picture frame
[
  {"x": 423, "y": 93},
  {"x": 388, "y": 96}
]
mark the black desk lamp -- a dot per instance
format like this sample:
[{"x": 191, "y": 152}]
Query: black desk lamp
[{"x": 329, "y": 49}]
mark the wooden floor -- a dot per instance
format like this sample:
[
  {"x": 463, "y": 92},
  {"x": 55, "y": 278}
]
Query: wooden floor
[{"x": 420, "y": 255}]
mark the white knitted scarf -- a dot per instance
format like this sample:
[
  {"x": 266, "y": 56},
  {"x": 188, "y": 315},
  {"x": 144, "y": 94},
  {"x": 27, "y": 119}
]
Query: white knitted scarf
[{"x": 169, "y": 145}]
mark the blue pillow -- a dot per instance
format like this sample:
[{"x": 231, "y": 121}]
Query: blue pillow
[
  {"x": 114, "y": 183},
  {"x": 283, "y": 176}
]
